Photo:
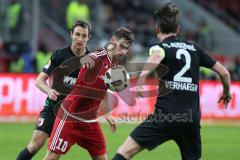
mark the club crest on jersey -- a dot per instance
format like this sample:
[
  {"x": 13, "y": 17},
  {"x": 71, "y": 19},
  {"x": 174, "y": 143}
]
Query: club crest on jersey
[{"x": 40, "y": 121}]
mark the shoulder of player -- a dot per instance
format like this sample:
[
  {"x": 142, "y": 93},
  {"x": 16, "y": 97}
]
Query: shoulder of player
[
  {"x": 98, "y": 53},
  {"x": 62, "y": 51},
  {"x": 192, "y": 45},
  {"x": 157, "y": 47},
  {"x": 189, "y": 42},
  {"x": 196, "y": 46},
  {"x": 61, "y": 54}
]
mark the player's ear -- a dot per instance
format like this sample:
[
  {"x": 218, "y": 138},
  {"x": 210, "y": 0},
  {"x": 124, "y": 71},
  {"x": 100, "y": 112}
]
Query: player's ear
[
  {"x": 178, "y": 29},
  {"x": 113, "y": 39},
  {"x": 89, "y": 36},
  {"x": 71, "y": 33},
  {"x": 157, "y": 29}
]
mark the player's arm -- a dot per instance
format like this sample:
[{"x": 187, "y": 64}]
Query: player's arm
[
  {"x": 209, "y": 62},
  {"x": 111, "y": 122},
  {"x": 106, "y": 109},
  {"x": 225, "y": 79},
  {"x": 157, "y": 54},
  {"x": 41, "y": 83},
  {"x": 87, "y": 61}
]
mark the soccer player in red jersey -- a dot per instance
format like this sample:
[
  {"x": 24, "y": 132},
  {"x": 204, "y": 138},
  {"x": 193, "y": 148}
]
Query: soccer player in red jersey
[{"x": 76, "y": 122}]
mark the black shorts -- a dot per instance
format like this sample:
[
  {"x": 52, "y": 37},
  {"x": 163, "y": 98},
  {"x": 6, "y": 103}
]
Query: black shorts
[
  {"x": 46, "y": 121},
  {"x": 151, "y": 134}
]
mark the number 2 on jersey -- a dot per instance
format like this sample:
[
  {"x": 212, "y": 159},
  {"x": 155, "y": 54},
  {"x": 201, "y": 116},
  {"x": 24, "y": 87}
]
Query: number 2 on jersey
[{"x": 179, "y": 76}]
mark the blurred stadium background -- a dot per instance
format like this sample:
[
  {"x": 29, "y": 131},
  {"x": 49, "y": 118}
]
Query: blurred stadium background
[{"x": 31, "y": 30}]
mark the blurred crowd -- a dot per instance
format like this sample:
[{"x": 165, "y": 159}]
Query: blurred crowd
[
  {"x": 227, "y": 11},
  {"x": 136, "y": 15}
]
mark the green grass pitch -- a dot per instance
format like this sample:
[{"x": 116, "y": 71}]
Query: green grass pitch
[{"x": 219, "y": 143}]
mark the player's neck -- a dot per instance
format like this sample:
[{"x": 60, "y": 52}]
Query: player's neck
[
  {"x": 110, "y": 55},
  {"x": 110, "y": 52},
  {"x": 78, "y": 52},
  {"x": 164, "y": 36}
]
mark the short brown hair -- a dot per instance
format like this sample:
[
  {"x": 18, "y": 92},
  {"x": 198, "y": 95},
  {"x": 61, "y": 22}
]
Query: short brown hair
[
  {"x": 82, "y": 24},
  {"x": 167, "y": 18},
  {"x": 123, "y": 32}
]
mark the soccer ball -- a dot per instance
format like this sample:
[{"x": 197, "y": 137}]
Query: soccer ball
[{"x": 117, "y": 78}]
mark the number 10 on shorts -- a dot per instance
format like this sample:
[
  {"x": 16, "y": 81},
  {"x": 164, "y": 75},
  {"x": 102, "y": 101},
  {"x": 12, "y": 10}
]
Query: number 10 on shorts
[{"x": 61, "y": 145}]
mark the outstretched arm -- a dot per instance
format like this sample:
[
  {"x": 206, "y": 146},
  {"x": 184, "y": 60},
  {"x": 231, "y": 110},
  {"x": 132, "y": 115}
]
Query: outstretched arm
[
  {"x": 225, "y": 79},
  {"x": 41, "y": 83},
  {"x": 87, "y": 62},
  {"x": 157, "y": 54},
  {"x": 106, "y": 109}
]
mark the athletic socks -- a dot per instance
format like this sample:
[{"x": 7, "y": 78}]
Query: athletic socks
[
  {"x": 25, "y": 155},
  {"x": 118, "y": 157}
]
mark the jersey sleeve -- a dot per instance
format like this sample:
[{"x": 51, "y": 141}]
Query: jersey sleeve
[
  {"x": 158, "y": 48},
  {"x": 206, "y": 60},
  {"x": 94, "y": 55},
  {"x": 51, "y": 65}
]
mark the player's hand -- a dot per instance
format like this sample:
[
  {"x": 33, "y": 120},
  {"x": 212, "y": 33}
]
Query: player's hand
[
  {"x": 139, "y": 87},
  {"x": 112, "y": 123},
  {"x": 225, "y": 99},
  {"x": 140, "y": 91},
  {"x": 87, "y": 62},
  {"x": 52, "y": 94}
]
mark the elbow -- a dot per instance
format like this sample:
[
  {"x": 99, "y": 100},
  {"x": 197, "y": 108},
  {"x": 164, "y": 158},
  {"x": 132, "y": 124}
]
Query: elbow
[
  {"x": 221, "y": 70},
  {"x": 157, "y": 57},
  {"x": 225, "y": 74},
  {"x": 37, "y": 82}
]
